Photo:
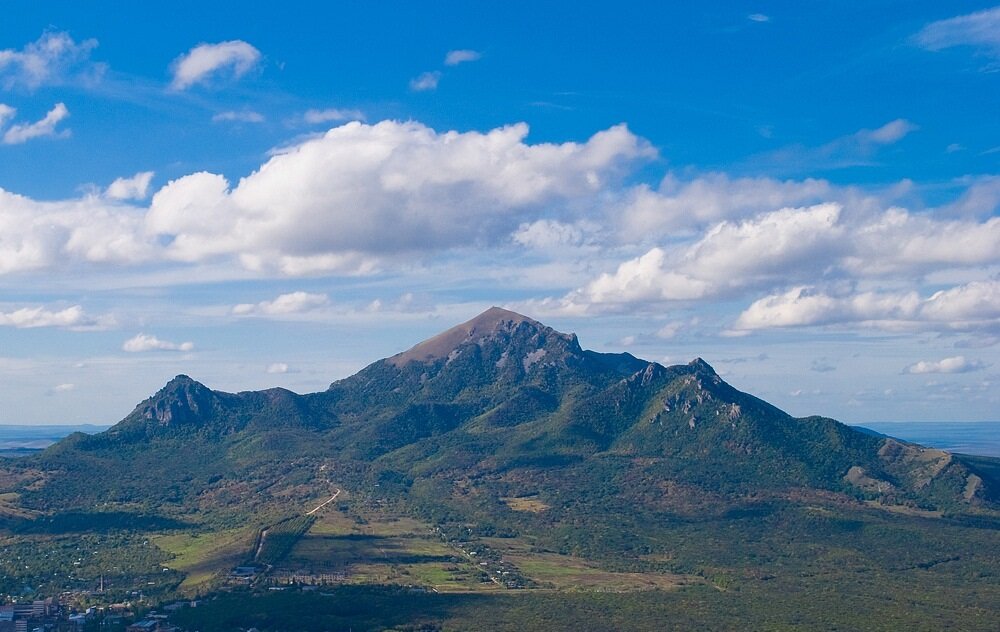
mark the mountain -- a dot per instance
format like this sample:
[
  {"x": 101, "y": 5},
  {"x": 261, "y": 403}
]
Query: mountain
[
  {"x": 507, "y": 402},
  {"x": 500, "y": 453}
]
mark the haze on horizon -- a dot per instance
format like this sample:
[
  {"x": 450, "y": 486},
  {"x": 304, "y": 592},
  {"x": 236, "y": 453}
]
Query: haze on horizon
[{"x": 808, "y": 198}]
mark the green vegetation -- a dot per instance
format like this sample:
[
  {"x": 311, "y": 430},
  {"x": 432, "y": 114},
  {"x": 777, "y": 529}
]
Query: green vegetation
[
  {"x": 379, "y": 608},
  {"x": 277, "y": 540},
  {"x": 203, "y": 558},
  {"x": 515, "y": 472}
]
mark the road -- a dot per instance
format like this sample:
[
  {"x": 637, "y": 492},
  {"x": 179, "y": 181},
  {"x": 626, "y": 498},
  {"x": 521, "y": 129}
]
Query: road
[{"x": 324, "y": 504}]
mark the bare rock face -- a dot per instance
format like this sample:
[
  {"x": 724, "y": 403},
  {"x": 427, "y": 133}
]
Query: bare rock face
[
  {"x": 491, "y": 324},
  {"x": 181, "y": 400}
]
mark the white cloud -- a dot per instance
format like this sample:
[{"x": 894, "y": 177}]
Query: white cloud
[
  {"x": 6, "y": 114},
  {"x": 846, "y": 241},
  {"x": 782, "y": 244},
  {"x": 46, "y": 126},
  {"x": 360, "y": 192},
  {"x": 277, "y": 368},
  {"x": 63, "y": 388},
  {"x": 852, "y": 150},
  {"x": 204, "y": 61},
  {"x": 969, "y": 307},
  {"x": 890, "y": 133},
  {"x": 956, "y": 364},
  {"x": 758, "y": 17},
  {"x": 31, "y": 317},
  {"x": 645, "y": 279},
  {"x": 55, "y": 58},
  {"x": 981, "y": 198},
  {"x": 134, "y": 188},
  {"x": 292, "y": 303},
  {"x": 425, "y": 81},
  {"x": 146, "y": 342},
  {"x": 774, "y": 247},
  {"x": 456, "y": 57},
  {"x": 669, "y": 330},
  {"x": 973, "y": 304},
  {"x": 684, "y": 205},
  {"x": 803, "y": 306},
  {"x": 316, "y": 117},
  {"x": 546, "y": 234},
  {"x": 897, "y": 240},
  {"x": 980, "y": 30},
  {"x": 243, "y": 116},
  {"x": 342, "y": 202},
  {"x": 39, "y": 235}
]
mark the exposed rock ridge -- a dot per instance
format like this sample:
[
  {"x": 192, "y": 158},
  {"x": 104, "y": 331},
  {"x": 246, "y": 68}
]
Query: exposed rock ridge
[{"x": 492, "y": 322}]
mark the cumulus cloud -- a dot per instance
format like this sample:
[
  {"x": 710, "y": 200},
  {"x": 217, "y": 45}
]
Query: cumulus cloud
[
  {"x": 362, "y": 191},
  {"x": 292, "y": 303},
  {"x": 784, "y": 244},
  {"x": 38, "y": 235},
  {"x": 55, "y": 58},
  {"x": 146, "y": 342},
  {"x": 31, "y": 317},
  {"x": 341, "y": 202},
  {"x": 456, "y": 57},
  {"x": 243, "y": 116},
  {"x": 980, "y": 30},
  {"x": 641, "y": 280},
  {"x": 685, "y": 205},
  {"x": 791, "y": 247},
  {"x": 897, "y": 240},
  {"x": 981, "y": 198},
  {"x": 205, "y": 61},
  {"x": 134, "y": 188},
  {"x": 546, "y": 234},
  {"x": 277, "y": 368},
  {"x": 972, "y": 306},
  {"x": 425, "y": 81},
  {"x": 46, "y": 126},
  {"x": 361, "y": 198},
  {"x": 328, "y": 115},
  {"x": 63, "y": 388},
  {"x": 956, "y": 364}
]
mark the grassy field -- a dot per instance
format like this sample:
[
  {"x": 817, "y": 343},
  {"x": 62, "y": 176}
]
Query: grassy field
[
  {"x": 9, "y": 507},
  {"x": 204, "y": 557},
  {"x": 525, "y": 503},
  {"x": 568, "y": 573},
  {"x": 378, "y": 547}
]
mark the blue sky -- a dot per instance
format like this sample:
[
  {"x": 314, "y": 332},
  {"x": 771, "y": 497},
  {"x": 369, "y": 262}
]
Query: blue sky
[{"x": 806, "y": 195}]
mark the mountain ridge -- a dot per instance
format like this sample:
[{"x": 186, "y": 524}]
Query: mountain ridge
[
  {"x": 513, "y": 447},
  {"x": 503, "y": 395}
]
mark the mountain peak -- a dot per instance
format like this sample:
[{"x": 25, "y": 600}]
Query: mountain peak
[
  {"x": 180, "y": 380},
  {"x": 493, "y": 320},
  {"x": 700, "y": 365},
  {"x": 180, "y": 399}
]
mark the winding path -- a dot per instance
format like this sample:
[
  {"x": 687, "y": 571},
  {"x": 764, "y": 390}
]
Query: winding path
[{"x": 324, "y": 504}]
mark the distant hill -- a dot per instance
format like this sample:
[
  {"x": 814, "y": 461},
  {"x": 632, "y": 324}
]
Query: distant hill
[{"x": 14, "y": 436}]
